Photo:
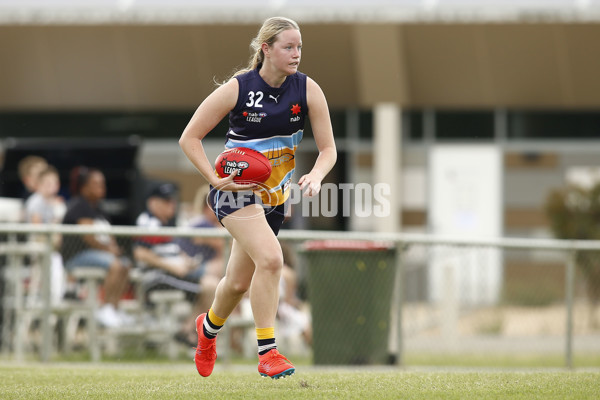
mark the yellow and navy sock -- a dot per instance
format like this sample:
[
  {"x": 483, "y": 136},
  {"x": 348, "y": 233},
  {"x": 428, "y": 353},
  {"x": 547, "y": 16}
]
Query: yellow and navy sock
[
  {"x": 212, "y": 324},
  {"x": 266, "y": 340}
]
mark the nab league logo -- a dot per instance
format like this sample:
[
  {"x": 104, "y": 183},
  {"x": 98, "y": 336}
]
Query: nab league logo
[
  {"x": 252, "y": 116},
  {"x": 295, "y": 110},
  {"x": 229, "y": 166}
]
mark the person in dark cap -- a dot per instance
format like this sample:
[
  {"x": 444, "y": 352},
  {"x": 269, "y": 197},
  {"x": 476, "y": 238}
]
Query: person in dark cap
[
  {"x": 163, "y": 262},
  {"x": 161, "y": 206}
]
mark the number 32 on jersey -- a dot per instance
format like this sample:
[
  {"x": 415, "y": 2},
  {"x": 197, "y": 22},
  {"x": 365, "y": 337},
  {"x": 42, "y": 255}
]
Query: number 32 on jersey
[{"x": 254, "y": 99}]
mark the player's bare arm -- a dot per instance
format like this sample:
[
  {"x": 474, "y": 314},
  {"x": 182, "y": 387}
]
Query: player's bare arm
[
  {"x": 318, "y": 113},
  {"x": 210, "y": 112}
]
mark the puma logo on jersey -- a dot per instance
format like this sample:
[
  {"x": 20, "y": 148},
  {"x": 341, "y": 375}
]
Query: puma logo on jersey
[{"x": 275, "y": 98}]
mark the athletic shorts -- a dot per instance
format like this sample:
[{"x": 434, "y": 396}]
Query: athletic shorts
[{"x": 224, "y": 203}]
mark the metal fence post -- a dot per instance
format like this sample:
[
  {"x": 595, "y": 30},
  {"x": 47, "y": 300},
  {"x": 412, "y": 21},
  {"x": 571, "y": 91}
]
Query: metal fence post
[
  {"x": 226, "y": 333},
  {"x": 46, "y": 278},
  {"x": 397, "y": 303},
  {"x": 570, "y": 294},
  {"x": 18, "y": 301}
]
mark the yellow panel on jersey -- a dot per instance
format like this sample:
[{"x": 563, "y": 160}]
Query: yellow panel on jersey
[{"x": 280, "y": 150}]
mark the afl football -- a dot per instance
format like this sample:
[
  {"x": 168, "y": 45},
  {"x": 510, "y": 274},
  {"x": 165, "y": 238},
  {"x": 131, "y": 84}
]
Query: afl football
[{"x": 252, "y": 166}]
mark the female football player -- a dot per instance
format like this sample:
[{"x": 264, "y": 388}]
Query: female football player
[{"x": 267, "y": 103}]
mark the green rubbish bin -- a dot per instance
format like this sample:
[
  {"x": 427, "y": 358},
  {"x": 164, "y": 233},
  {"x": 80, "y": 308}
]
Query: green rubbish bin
[{"x": 350, "y": 286}]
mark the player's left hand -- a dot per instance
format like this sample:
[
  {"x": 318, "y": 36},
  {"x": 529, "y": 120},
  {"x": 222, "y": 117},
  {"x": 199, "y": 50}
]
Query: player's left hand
[{"x": 310, "y": 185}]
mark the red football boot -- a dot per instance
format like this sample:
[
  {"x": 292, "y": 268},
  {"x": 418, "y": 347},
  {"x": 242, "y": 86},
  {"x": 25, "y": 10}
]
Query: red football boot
[
  {"x": 274, "y": 365},
  {"x": 206, "y": 352}
]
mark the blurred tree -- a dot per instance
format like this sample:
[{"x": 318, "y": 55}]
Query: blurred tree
[{"x": 574, "y": 213}]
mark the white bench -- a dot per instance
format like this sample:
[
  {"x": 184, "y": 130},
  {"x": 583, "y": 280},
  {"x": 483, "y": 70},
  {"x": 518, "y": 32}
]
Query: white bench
[{"x": 92, "y": 279}]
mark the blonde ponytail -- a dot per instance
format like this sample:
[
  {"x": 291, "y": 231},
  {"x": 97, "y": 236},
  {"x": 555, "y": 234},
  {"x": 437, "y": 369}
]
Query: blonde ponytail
[{"x": 266, "y": 34}]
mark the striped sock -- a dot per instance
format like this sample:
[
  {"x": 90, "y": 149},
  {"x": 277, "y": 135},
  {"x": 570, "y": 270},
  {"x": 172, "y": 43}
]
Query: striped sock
[
  {"x": 212, "y": 324},
  {"x": 266, "y": 340}
]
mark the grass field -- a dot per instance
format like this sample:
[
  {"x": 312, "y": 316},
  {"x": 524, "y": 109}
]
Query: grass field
[{"x": 165, "y": 381}]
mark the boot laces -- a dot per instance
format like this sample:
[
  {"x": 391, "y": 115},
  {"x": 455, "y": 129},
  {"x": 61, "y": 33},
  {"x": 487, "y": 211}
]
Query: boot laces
[
  {"x": 276, "y": 358},
  {"x": 207, "y": 352}
]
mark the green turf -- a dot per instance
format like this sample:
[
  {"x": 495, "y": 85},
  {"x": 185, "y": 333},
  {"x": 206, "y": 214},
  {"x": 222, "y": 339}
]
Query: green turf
[
  {"x": 141, "y": 381},
  {"x": 503, "y": 360}
]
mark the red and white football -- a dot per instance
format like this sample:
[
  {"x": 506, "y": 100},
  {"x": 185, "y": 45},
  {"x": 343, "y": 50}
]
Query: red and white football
[{"x": 253, "y": 166}]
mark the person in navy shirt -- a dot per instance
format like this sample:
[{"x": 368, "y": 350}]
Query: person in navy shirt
[
  {"x": 164, "y": 264},
  {"x": 267, "y": 103}
]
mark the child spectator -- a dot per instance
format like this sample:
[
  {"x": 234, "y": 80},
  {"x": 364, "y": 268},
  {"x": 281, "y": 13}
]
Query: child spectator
[
  {"x": 29, "y": 169},
  {"x": 44, "y": 206}
]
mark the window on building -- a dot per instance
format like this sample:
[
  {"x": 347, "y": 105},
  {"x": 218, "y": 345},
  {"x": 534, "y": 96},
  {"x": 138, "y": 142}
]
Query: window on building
[
  {"x": 94, "y": 124},
  {"x": 554, "y": 124},
  {"x": 365, "y": 124},
  {"x": 464, "y": 125},
  {"x": 412, "y": 124}
]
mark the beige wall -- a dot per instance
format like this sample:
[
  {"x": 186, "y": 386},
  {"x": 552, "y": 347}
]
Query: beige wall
[{"x": 172, "y": 67}]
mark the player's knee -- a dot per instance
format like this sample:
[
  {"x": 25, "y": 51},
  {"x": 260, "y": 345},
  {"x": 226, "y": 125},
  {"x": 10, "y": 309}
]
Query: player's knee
[
  {"x": 271, "y": 262},
  {"x": 238, "y": 287}
]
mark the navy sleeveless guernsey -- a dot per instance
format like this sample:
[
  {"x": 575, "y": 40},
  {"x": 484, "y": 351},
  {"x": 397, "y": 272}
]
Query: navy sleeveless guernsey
[{"x": 271, "y": 121}]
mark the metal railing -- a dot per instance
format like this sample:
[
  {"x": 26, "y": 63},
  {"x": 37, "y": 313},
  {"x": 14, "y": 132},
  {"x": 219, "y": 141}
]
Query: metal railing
[{"x": 11, "y": 249}]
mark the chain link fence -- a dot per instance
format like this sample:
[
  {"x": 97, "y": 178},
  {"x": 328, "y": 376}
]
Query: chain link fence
[
  {"x": 346, "y": 298},
  {"x": 488, "y": 303}
]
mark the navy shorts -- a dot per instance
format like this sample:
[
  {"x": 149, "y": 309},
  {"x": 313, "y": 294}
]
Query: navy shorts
[{"x": 224, "y": 203}]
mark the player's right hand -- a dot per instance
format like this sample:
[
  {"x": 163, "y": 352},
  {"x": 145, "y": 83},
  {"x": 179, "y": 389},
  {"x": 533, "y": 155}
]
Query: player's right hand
[{"x": 229, "y": 185}]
